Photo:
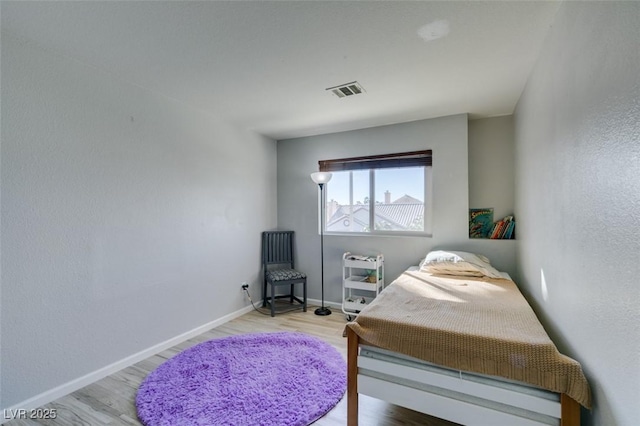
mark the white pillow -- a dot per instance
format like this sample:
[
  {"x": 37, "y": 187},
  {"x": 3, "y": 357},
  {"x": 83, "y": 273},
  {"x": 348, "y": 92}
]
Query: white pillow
[{"x": 458, "y": 263}]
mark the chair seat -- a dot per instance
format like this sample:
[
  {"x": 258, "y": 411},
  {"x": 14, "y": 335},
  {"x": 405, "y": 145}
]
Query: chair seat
[{"x": 276, "y": 275}]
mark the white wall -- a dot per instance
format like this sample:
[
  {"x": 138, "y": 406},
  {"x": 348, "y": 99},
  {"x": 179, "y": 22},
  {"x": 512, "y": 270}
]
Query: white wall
[
  {"x": 298, "y": 199},
  {"x": 578, "y": 197},
  {"x": 127, "y": 218}
]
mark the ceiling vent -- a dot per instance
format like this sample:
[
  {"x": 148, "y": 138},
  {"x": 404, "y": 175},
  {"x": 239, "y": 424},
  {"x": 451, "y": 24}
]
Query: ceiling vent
[{"x": 348, "y": 89}]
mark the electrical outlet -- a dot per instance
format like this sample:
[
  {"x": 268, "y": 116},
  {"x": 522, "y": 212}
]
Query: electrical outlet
[{"x": 245, "y": 285}]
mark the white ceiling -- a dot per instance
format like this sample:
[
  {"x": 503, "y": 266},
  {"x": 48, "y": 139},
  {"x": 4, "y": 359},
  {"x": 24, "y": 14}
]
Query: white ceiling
[{"x": 265, "y": 65}]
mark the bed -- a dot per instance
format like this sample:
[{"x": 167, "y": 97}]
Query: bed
[{"x": 466, "y": 348}]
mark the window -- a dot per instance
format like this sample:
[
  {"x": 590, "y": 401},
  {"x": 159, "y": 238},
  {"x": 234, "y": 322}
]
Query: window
[{"x": 380, "y": 194}]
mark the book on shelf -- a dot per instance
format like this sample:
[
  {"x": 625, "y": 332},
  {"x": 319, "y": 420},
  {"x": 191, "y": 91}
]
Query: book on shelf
[
  {"x": 496, "y": 230},
  {"x": 512, "y": 227},
  {"x": 480, "y": 223},
  {"x": 503, "y": 229}
]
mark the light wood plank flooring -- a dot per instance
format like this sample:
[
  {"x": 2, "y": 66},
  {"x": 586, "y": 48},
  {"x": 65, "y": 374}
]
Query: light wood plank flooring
[{"x": 111, "y": 401}]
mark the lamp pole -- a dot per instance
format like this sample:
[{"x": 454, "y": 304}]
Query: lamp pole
[
  {"x": 322, "y": 310},
  {"x": 321, "y": 178}
]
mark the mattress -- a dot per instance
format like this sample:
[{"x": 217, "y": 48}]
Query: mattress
[{"x": 474, "y": 325}]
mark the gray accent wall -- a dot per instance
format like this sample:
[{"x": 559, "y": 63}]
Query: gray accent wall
[
  {"x": 127, "y": 219},
  {"x": 298, "y": 199},
  {"x": 491, "y": 169},
  {"x": 577, "y": 128}
]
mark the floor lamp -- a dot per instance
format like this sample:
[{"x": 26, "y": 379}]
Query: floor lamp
[{"x": 321, "y": 178}]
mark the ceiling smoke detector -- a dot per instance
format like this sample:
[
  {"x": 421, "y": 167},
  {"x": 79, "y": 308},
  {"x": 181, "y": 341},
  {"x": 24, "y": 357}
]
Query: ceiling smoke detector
[{"x": 347, "y": 89}]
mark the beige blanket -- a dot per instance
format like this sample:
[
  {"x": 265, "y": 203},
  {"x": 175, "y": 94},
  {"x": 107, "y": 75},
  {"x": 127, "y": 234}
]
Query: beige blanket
[{"x": 479, "y": 325}]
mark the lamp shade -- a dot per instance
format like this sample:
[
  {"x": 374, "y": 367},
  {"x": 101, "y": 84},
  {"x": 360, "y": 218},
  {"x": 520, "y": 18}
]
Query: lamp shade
[{"x": 321, "y": 177}]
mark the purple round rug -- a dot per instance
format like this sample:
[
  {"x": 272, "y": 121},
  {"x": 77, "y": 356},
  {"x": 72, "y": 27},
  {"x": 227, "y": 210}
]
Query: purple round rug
[{"x": 280, "y": 379}]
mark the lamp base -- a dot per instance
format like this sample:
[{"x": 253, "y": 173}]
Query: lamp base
[{"x": 323, "y": 311}]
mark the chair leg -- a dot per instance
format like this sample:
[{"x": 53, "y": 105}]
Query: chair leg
[
  {"x": 273, "y": 299},
  {"x": 264, "y": 293},
  {"x": 291, "y": 293},
  {"x": 304, "y": 296}
]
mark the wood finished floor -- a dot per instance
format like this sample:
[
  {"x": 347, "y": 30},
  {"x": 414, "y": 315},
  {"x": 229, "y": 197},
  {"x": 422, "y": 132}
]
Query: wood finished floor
[{"x": 111, "y": 401}]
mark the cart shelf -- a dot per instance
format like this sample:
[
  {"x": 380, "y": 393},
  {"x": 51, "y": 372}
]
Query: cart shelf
[{"x": 362, "y": 281}]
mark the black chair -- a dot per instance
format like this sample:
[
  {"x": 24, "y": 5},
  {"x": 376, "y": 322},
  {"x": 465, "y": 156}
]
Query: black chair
[{"x": 279, "y": 270}]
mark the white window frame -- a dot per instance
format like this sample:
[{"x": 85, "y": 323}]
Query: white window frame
[{"x": 427, "y": 211}]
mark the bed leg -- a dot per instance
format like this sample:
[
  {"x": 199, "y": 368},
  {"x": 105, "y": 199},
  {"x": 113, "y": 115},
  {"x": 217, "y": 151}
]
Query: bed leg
[
  {"x": 570, "y": 410},
  {"x": 352, "y": 378}
]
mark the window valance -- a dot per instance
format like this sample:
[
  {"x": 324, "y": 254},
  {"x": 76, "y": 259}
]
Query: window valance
[{"x": 402, "y": 159}]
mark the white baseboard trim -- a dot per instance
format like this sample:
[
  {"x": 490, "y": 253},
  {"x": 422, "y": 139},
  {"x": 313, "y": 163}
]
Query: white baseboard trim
[{"x": 72, "y": 386}]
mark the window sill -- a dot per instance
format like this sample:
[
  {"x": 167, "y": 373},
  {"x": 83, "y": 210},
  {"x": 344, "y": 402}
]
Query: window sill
[{"x": 376, "y": 234}]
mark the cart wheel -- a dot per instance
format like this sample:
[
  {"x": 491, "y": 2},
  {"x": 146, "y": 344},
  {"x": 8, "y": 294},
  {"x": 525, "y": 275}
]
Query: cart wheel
[{"x": 349, "y": 318}]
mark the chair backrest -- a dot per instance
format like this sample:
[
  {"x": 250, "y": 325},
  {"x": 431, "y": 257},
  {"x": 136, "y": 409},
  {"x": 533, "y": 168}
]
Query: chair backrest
[{"x": 277, "y": 248}]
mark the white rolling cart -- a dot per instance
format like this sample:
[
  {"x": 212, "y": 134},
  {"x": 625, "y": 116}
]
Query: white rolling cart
[{"x": 362, "y": 281}]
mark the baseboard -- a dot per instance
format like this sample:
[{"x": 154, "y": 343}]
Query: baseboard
[
  {"x": 318, "y": 302},
  {"x": 72, "y": 386}
]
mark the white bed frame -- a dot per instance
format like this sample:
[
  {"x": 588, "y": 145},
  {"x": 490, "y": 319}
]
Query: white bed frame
[{"x": 459, "y": 397}]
